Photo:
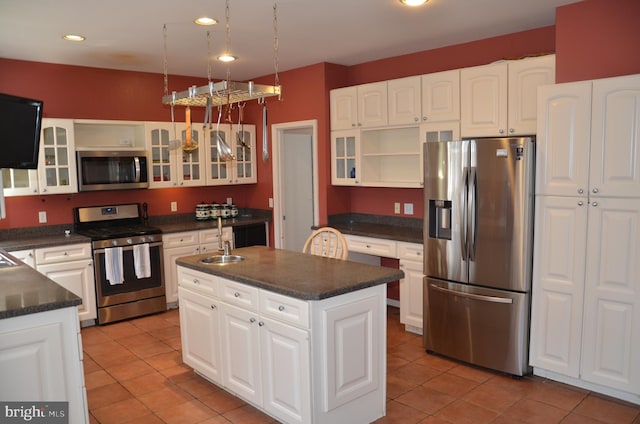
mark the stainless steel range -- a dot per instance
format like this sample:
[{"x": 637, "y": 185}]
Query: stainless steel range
[{"x": 127, "y": 256}]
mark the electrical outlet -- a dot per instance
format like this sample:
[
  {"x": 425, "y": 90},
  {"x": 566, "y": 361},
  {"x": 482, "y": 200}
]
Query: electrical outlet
[
  {"x": 408, "y": 208},
  {"x": 174, "y": 206},
  {"x": 396, "y": 207},
  {"x": 229, "y": 201},
  {"x": 271, "y": 202},
  {"x": 42, "y": 217}
]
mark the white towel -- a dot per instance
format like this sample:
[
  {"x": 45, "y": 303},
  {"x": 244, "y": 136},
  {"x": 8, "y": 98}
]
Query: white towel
[
  {"x": 113, "y": 265},
  {"x": 141, "y": 261}
]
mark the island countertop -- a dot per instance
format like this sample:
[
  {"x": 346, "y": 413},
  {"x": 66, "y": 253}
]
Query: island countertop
[{"x": 295, "y": 274}]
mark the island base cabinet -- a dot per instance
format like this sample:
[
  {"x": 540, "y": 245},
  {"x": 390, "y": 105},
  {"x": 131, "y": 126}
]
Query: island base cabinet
[{"x": 40, "y": 361}]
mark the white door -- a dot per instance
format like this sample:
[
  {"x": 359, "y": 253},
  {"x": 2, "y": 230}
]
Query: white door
[
  {"x": 77, "y": 277},
  {"x": 295, "y": 183},
  {"x": 611, "y": 341},
  {"x": 285, "y": 371},
  {"x": 200, "y": 333},
  {"x": 563, "y": 136},
  {"x": 558, "y": 283}
]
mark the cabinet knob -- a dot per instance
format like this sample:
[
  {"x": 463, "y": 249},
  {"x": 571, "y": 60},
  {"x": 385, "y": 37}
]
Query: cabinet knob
[
  {"x": 214, "y": 307},
  {"x": 501, "y": 131},
  {"x": 416, "y": 119},
  {"x": 595, "y": 190},
  {"x": 281, "y": 308},
  {"x": 580, "y": 191},
  {"x": 261, "y": 323},
  {"x": 252, "y": 320},
  {"x": 580, "y": 203},
  {"x": 424, "y": 118},
  {"x": 511, "y": 130},
  {"x": 196, "y": 281},
  {"x": 595, "y": 204},
  {"x": 236, "y": 294}
]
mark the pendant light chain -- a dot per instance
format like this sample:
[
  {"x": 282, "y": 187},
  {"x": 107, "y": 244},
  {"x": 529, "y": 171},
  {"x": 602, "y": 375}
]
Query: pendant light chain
[
  {"x": 209, "y": 65},
  {"x": 228, "y": 40},
  {"x": 275, "y": 42}
]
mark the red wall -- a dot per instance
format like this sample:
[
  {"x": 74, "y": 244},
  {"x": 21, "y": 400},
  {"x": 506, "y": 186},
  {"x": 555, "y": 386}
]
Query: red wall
[{"x": 597, "y": 39}]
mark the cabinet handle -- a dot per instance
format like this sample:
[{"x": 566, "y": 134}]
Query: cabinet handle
[
  {"x": 236, "y": 294},
  {"x": 416, "y": 119},
  {"x": 281, "y": 308},
  {"x": 252, "y": 320},
  {"x": 424, "y": 118},
  {"x": 501, "y": 131},
  {"x": 580, "y": 203},
  {"x": 595, "y": 190},
  {"x": 580, "y": 191},
  {"x": 261, "y": 323},
  {"x": 66, "y": 254},
  {"x": 196, "y": 281},
  {"x": 214, "y": 307},
  {"x": 511, "y": 130},
  {"x": 595, "y": 204}
]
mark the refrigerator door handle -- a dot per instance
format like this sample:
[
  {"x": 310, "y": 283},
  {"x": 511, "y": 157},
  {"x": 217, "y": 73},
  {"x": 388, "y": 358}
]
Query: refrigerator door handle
[
  {"x": 472, "y": 213},
  {"x": 483, "y": 298},
  {"x": 464, "y": 217}
]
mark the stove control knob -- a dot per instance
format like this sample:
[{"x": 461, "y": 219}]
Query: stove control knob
[
  {"x": 114, "y": 242},
  {"x": 143, "y": 239},
  {"x": 129, "y": 241}
]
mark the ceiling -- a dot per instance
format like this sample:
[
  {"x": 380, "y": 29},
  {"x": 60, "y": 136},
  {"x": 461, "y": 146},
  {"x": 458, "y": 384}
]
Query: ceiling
[{"x": 128, "y": 34}]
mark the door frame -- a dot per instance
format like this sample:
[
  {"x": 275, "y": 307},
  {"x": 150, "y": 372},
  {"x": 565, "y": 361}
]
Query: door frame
[{"x": 277, "y": 134}]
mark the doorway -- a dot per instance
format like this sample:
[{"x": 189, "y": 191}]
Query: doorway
[{"x": 295, "y": 182}]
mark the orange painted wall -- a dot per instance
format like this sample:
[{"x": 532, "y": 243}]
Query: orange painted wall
[{"x": 597, "y": 39}]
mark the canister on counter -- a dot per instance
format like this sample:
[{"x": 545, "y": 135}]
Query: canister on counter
[
  {"x": 202, "y": 212},
  {"x": 225, "y": 211},
  {"x": 216, "y": 211},
  {"x": 234, "y": 211}
]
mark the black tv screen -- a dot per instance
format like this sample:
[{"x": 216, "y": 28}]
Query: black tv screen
[{"x": 20, "y": 122}]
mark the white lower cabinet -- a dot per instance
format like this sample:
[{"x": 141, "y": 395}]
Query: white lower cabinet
[
  {"x": 411, "y": 263},
  {"x": 41, "y": 361},
  {"x": 71, "y": 266},
  {"x": 298, "y": 361}
]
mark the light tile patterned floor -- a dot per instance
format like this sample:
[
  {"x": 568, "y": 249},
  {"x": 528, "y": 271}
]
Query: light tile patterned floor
[{"x": 134, "y": 373}]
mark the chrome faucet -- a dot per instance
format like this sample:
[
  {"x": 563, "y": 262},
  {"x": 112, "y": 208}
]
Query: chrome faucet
[
  {"x": 227, "y": 248},
  {"x": 220, "y": 248}
]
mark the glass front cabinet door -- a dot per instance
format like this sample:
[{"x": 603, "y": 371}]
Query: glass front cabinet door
[
  {"x": 344, "y": 154},
  {"x": 57, "y": 165}
]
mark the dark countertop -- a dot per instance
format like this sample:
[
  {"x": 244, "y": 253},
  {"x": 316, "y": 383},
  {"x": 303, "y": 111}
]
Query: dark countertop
[
  {"x": 295, "y": 274},
  {"x": 193, "y": 225},
  {"x": 25, "y": 291},
  {"x": 36, "y": 242},
  {"x": 377, "y": 226}
]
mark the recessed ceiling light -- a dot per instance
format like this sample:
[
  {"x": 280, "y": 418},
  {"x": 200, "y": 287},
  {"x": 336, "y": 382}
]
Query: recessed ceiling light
[
  {"x": 205, "y": 20},
  {"x": 226, "y": 58},
  {"x": 413, "y": 3},
  {"x": 72, "y": 37}
]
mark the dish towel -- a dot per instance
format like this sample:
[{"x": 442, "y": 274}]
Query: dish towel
[
  {"x": 141, "y": 261},
  {"x": 113, "y": 265}
]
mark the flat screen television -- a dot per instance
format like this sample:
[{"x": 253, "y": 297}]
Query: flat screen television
[{"x": 20, "y": 122}]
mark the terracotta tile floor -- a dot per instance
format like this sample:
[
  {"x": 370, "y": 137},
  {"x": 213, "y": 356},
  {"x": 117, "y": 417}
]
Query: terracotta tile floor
[{"x": 134, "y": 373}]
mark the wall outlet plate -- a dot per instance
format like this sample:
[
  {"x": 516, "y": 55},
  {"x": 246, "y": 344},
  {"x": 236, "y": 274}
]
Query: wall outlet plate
[
  {"x": 42, "y": 217},
  {"x": 408, "y": 208},
  {"x": 396, "y": 207},
  {"x": 174, "y": 206}
]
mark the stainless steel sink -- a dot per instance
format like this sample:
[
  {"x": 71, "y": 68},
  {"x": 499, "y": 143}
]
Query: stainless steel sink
[
  {"x": 6, "y": 262},
  {"x": 222, "y": 259}
]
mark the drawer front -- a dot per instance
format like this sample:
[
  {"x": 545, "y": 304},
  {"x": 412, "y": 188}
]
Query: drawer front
[
  {"x": 239, "y": 294},
  {"x": 186, "y": 238},
  {"x": 284, "y": 308},
  {"x": 198, "y": 281},
  {"x": 211, "y": 236},
  {"x": 410, "y": 251},
  {"x": 65, "y": 253},
  {"x": 372, "y": 246}
]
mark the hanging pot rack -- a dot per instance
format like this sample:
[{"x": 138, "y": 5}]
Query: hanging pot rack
[{"x": 225, "y": 92}]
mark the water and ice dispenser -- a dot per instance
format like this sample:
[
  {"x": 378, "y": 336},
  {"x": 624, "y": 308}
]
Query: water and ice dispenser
[{"x": 440, "y": 219}]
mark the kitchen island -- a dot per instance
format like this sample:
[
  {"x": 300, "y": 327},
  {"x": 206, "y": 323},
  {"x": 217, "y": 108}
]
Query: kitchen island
[
  {"x": 40, "y": 347},
  {"x": 301, "y": 337}
]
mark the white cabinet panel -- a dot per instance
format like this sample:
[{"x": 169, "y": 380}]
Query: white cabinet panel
[
  {"x": 404, "y": 101},
  {"x": 77, "y": 277},
  {"x": 372, "y": 105},
  {"x": 344, "y": 108},
  {"x": 411, "y": 290},
  {"x": 441, "y": 96},
  {"x": 484, "y": 100}
]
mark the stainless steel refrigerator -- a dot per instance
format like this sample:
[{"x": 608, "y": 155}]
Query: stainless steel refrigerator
[{"x": 478, "y": 234}]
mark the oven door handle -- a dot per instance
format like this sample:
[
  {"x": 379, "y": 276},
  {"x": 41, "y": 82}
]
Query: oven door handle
[
  {"x": 136, "y": 164},
  {"x": 128, "y": 247}
]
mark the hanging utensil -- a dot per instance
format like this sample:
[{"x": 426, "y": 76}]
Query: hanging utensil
[
  {"x": 189, "y": 144},
  {"x": 224, "y": 151},
  {"x": 240, "y": 135},
  {"x": 174, "y": 143},
  {"x": 265, "y": 138}
]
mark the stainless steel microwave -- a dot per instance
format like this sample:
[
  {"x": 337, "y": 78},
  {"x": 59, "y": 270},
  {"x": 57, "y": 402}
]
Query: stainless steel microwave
[{"x": 112, "y": 170}]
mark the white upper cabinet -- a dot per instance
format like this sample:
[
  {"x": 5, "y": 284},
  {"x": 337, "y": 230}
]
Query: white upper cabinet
[
  {"x": 344, "y": 108},
  {"x": 242, "y": 168},
  {"x": 404, "y": 101},
  {"x": 484, "y": 100},
  {"x": 171, "y": 165},
  {"x": 359, "y": 106},
  {"x": 19, "y": 182},
  {"x": 615, "y": 137},
  {"x": 57, "y": 162},
  {"x": 563, "y": 137},
  {"x": 441, "y": 96},
  {"x": 500, "y": 99}
]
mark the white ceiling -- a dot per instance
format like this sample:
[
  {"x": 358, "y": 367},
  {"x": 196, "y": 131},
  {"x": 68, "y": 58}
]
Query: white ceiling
[{"x": 128, "y": 35}]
